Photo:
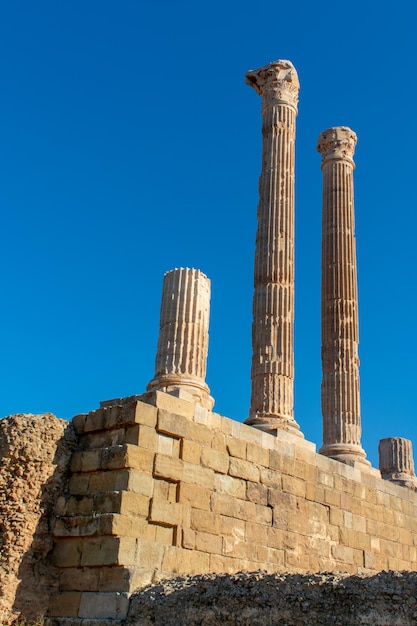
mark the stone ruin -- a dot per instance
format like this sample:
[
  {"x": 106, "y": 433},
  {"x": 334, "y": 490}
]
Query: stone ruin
[{"x": 157, "y": 485}]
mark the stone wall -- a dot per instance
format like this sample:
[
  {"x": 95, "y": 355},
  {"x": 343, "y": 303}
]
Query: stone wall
[
  {"x": 161, "y": 487},
  {"x": 34, "y": 456}
]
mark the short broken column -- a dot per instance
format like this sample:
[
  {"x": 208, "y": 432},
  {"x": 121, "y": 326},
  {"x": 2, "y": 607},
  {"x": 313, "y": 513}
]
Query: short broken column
[
  {"x": 340, "y": 399},
  {"x": 181, "y": 359},
  {"x": 396, "y": 462},
  {"x": 272, "y": 400}
]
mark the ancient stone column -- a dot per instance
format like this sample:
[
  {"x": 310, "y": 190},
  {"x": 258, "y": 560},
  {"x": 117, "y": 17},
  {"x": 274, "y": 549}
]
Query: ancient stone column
[
  {"x": 339, "y": 301},
  {"x": 181, "y": 359},
  {"x": 396, "y": 461},
  {"x": 272, "y": 372}
]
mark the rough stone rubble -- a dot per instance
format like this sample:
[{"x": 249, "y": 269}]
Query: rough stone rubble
[
  {"x": 261, "y": 599},
  {"x": 34, "y": 455}
]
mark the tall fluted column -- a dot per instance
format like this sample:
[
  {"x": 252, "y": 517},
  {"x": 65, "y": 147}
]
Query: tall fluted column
[
  {"x": 181, "y": 360},
  {"x": 339, "y": 301},
  {"x": 272, "y": 373},
  {"x": 396, "y": 461}
]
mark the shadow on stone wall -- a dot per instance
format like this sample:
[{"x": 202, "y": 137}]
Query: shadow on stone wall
[
  {"x": 386, "y": 599},
  {"x": 35, "y": 452}
]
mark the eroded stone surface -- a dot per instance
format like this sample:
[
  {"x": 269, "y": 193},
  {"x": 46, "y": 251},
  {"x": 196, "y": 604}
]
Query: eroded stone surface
[
  {"x": 272, "y": 371},
  {"x": 340, "y": 398},
  {"x": 396, "y": 461},
  {"x": 181, "y": 359},
  {"x": 387, "y": 599},
  {"x": 34, "y": 457}
]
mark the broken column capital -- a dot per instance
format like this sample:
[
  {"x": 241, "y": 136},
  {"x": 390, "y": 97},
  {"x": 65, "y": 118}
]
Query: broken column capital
[
  {"x": 276, "y": 82},
  {"x": 338, "y": 142}
]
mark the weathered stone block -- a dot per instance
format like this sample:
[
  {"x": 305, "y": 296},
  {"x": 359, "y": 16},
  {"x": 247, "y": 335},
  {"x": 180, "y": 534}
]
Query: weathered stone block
[
  {"x": 208, "y": 543},
  {"x": 257, "y": 492},
  {"x": 110, "y": 605},
  {"x": 218, "y": 461},
  {"x": 204, "y": 521},
  {"x": 172, "y": 424},
  {"x": 198, "y": 475},
  {"x": 190, "y": 451},
  {"x": 65, "y": 604},
  {"x": 170, "y": 403},
  {"x": 294, "y": 486},
  {"x": 98, "y": 551},
  {"x": 198, "y": 497},
  {"x": 236, "y": 447},
  {"x": 257, "y": 454},
  {"x": 167, "y": 467},
  {"x": 165, "y": 513},
  {"x": 67, "y": 553},
  {"x": 244, "y": 469}
]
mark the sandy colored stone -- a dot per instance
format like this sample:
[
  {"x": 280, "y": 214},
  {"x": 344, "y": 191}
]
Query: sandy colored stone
[{"x": 181, "y": 360}]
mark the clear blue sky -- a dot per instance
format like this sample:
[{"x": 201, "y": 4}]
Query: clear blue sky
[{"x": 130, "y": 144}]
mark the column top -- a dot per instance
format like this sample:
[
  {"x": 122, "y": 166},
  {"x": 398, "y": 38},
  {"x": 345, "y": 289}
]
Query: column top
[
  {"x": 337, "y": 143},
  {"x": 276, "y": 83}
]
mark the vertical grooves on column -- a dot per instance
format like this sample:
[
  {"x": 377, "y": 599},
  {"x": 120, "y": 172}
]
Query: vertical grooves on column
[
  {"x": 183, "y": 337},
  {"x": 340, "y": 363},
  {"x": 272, "y": 333}
]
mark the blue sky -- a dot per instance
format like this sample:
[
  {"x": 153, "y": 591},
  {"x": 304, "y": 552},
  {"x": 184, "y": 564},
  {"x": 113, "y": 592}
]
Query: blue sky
[{"x": 130, "y": 144}]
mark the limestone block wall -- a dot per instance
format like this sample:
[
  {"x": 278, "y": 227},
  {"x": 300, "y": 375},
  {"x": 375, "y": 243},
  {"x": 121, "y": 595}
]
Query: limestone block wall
[{"x": 161, "y": 487}]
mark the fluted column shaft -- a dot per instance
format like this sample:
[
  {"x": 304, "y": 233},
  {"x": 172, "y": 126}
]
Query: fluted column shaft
[
  {"x": 272, "y": 372},
  {"x": 396, "y": 461},
  {"x": 181, "y": 358},
  {"x": 339, "y": 300}
]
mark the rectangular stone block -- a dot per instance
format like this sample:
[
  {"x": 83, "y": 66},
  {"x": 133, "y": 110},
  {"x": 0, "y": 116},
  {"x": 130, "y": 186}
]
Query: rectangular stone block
[
  {"x": 178, "y": 560},
  {"x": 294, "y": 486},
  {"x": 67, "y": 552},
  {"x": 204, "y": 521},
  {"x": 244, "y": 469},
  {"x": 219, "y": 442},
  {"x": 343, "y": 554},
  {"x": 256, "y": 533},
  {"x": 195, "y": 474},
  {"x": 257, "y": 492},
  {"x": 169, "y": 468},
  {"x": 99, "y": 551},
  {"x": 165, "y": 513},
  {"x": 65, "y": 604},
  {"x": 188, "y": 538},
  {"x": 115, "y": 579},
  {"x": 172, "y": 424},
  {"x": 199, "y": 433},
  {"x": 149, "y": 555},
  {"x": 230, "y": 485},
  {"x": 208, "y": 543},
  {"x": 170, "y": 446},
  {"x": 218, "y": 461},
  {"x": 198, "y": 497},
  {"x": 133, "y": 504},
  {"x": 231, "y": 527},
  {"x": 79, "y": 579},
  {"x": 110, "y": 605},
  {"x": 236, "y": 447},
  {"x": 116, "y": 480},
  {"x": 224, "y": 564},
  {"x": 190, "y": 451},
  {"x": 114, "y": 437},
  {"x": 257, "y": 454},
  {"x": 170, "y": 403}
]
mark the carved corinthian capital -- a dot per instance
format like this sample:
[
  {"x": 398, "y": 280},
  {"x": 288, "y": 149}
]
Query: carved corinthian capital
[
  {"x": 276, "y": 82},
  {"x": 337, "y": 143}
]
